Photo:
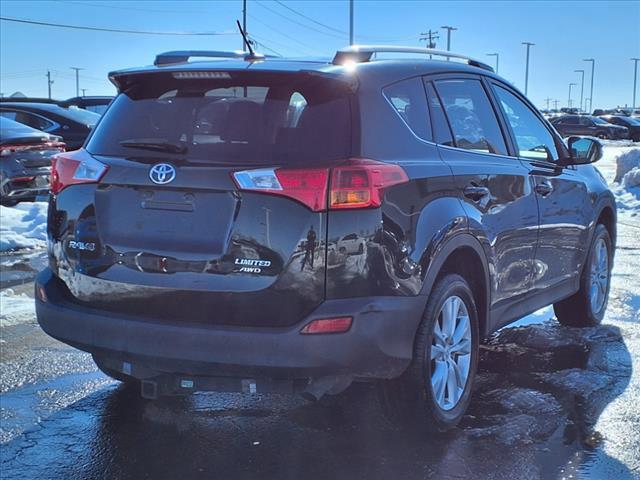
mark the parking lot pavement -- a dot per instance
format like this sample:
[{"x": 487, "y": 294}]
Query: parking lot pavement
[{"x": 549, "y": 402}]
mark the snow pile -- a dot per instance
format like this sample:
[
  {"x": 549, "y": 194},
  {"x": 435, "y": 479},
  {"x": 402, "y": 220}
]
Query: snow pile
[
  {"x": 627, "y": 163},
  {"x": 23, "y": 226},
  {"x": 632, "y": 178},
  {"x": 15, "y": 309}
]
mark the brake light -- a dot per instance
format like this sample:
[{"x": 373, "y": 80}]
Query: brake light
[
  {"x": 307, "y": 186},
  {"x": 356, "y": 183},
  {"x": 6, "y": 150},
  {"x": 328, "y": 325},
  {"x": 74, "y": 168}
]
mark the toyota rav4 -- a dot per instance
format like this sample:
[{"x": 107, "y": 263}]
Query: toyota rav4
[{"x": 253, "y": 224}]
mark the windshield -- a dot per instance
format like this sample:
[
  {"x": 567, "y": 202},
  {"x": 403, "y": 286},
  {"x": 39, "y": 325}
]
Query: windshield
[
  {"x": 10, "y": 129},
  {"x": 280, "y": 119},
  {"x": 599, "y": 121}
]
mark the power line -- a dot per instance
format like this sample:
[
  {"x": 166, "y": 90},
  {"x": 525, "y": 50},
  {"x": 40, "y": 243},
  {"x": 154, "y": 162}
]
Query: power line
[
  {"x": 308, "y": 47},
  {"x": 113, "y": 30},
  {"x": 328, "y": 27},
  {"x": 297, "y": 22},
  {"x": 87, "y": 4}
]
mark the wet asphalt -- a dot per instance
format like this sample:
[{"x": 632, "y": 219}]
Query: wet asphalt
[{"x": 549, "y": 402}]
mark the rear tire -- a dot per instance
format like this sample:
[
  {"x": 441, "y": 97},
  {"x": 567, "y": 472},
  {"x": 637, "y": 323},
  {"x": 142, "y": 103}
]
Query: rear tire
[
  {"x": 433, "y": 394},
  {"x": 587, "y": 307}
]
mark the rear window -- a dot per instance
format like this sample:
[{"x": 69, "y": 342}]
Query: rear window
[{"x": 290, "y": 118}]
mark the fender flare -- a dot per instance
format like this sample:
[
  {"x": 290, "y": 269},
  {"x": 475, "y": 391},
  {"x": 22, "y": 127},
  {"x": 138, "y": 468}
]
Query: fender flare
[{"x": 444, "y": 251}]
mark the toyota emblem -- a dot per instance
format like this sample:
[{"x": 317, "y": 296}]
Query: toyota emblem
[{"x": 162, "y": 173}]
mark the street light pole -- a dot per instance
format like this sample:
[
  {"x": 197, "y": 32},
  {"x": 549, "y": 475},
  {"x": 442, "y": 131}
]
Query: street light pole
[
  {"x": 569, "y": 102},
  {"x": 497, "y": 55},
  {"x": 581, "y": 88},
  {"x": 77, "y": 69},
  {"x": 635, "y": 81},
  {"x": 526, "y": 73},
  {"x": 593, "y": 68},
  {"x": 449, "y": 30},
  {"x": 350, "y": 22}
]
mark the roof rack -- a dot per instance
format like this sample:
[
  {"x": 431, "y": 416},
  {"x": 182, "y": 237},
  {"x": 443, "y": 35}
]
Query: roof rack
[
  {"x": 363, "y": 53},
  {"x": 182, "y": 56}
]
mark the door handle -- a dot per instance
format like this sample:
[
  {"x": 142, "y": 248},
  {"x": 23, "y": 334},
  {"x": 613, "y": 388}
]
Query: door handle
[
  {"x": 544, "y": 188},
  {"x": 476, "y": 193}
]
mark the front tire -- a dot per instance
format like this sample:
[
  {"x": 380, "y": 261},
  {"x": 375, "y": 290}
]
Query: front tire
[
  {"x": 434, "y": 392},
  {"x": 587, "y": 307}
]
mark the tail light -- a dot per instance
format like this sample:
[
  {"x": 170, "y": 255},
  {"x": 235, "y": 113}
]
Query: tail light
[
  {"x": 74, "y": 168},
  {"x": 6, "y": 150},
  {"x": 358, "y": 183}
]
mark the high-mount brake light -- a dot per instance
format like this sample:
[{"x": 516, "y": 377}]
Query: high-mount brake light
[
  {"x": 199, "y": 75},
  {"x": 356, "y": 183},
  {"x": 73, "y": 168}
]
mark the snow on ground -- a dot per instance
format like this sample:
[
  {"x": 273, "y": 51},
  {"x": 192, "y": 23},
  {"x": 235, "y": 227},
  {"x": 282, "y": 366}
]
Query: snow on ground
[
  {"x": 23, "y": 226},
  {"x": 15, "y": 308}
]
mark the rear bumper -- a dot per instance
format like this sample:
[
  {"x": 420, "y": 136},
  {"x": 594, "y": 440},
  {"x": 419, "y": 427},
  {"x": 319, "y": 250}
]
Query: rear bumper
[{"x": 378, "y": 345}]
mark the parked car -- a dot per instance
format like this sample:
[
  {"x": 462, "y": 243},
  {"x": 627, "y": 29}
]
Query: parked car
[
  {"x": 187, "y": 260},
  {"x": 72, "y": 124},
  {"x": 25, "y": 161},
  {"x": 588, "y": 125},
  {"x": 630, "y": 123},
  {"x": 95, "y": 104}
]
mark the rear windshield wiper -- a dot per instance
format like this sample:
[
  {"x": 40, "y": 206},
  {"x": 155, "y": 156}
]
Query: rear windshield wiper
[{"x": 154, "y": 144}]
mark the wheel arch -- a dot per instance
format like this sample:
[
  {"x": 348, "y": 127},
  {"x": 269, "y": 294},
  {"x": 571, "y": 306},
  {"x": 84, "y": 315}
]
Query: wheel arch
[{"x": 463, "y": 254}]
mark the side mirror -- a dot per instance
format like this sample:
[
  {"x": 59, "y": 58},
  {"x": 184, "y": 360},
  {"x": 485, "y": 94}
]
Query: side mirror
[{"x": 583, "y": 150}]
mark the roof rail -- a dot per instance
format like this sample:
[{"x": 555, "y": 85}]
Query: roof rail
[
  {"x": 363, "y": 53},
  {"x": 182, "y": 56}
]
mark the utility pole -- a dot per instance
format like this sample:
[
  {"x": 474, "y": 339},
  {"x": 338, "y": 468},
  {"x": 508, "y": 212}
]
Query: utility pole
[
  {"x": 84, "y": 92},
  {"x": 430, "y": 37},
  {"x": 350, "y": 22},
  {"x": 49, "y": 83},
  {"x": 497, "y": 55},
  {"x": 526, "y": 72},
  {"x": 635, "y": 81},
  {"x": 547, "y": 100},
  {"x": 77, "y": 69},
  {"x": 449, "y": 30},
  {"x": 569, "y": 101},
  {"x": 581, "y": 88},
  {"x": 593, "y": 68},
  {"x": 555, "y": 105},
  {"x": 245, "y": 47}
]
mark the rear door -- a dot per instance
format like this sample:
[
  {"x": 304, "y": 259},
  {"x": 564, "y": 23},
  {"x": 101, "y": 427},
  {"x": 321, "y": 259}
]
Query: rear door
[
  {"x": 561, "y": 193},
  {"x": 212, "y": 192},
  {"x": 494, "y": 186}
]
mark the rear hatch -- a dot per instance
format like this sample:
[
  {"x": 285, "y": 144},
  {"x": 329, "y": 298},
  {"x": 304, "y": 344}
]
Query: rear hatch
[{"x": 201, "y": 198}]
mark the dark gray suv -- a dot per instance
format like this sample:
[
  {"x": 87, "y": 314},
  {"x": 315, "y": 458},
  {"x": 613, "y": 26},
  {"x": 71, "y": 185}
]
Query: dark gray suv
[{"x": 270, "y": 225}]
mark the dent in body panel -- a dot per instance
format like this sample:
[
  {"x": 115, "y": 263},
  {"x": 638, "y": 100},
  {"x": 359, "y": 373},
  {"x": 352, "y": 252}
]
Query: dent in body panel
[{"x": 399, "y": 240}]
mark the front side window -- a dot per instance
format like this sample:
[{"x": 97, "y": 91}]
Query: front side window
[
  {"x": 472, "y": 119},
  {"x": 533, "y": 140},
  {"x": 586, "y": 122},
  {"x": 408, "y": 99},
  {"x": 34, "y": 121}
]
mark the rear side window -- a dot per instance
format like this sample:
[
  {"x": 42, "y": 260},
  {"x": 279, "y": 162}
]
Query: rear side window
[
  {"x": 244, "y": 119},
  {"x": 533, "y": 140},
  {"x": 408, "y": 99},
  {"x": 471, "y": 117},
  {"x": 441, "y": 131}
]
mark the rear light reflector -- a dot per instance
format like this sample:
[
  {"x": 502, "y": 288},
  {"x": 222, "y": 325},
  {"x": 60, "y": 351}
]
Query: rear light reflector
[
  {"x": 328, "y": 325},
  {"x": 74, "y": 168},
  {"x": 355, "y": 183},
  {"x": 22, "y": 179}
]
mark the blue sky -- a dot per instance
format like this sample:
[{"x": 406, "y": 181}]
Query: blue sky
[{"x": 564, "y": 34}]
